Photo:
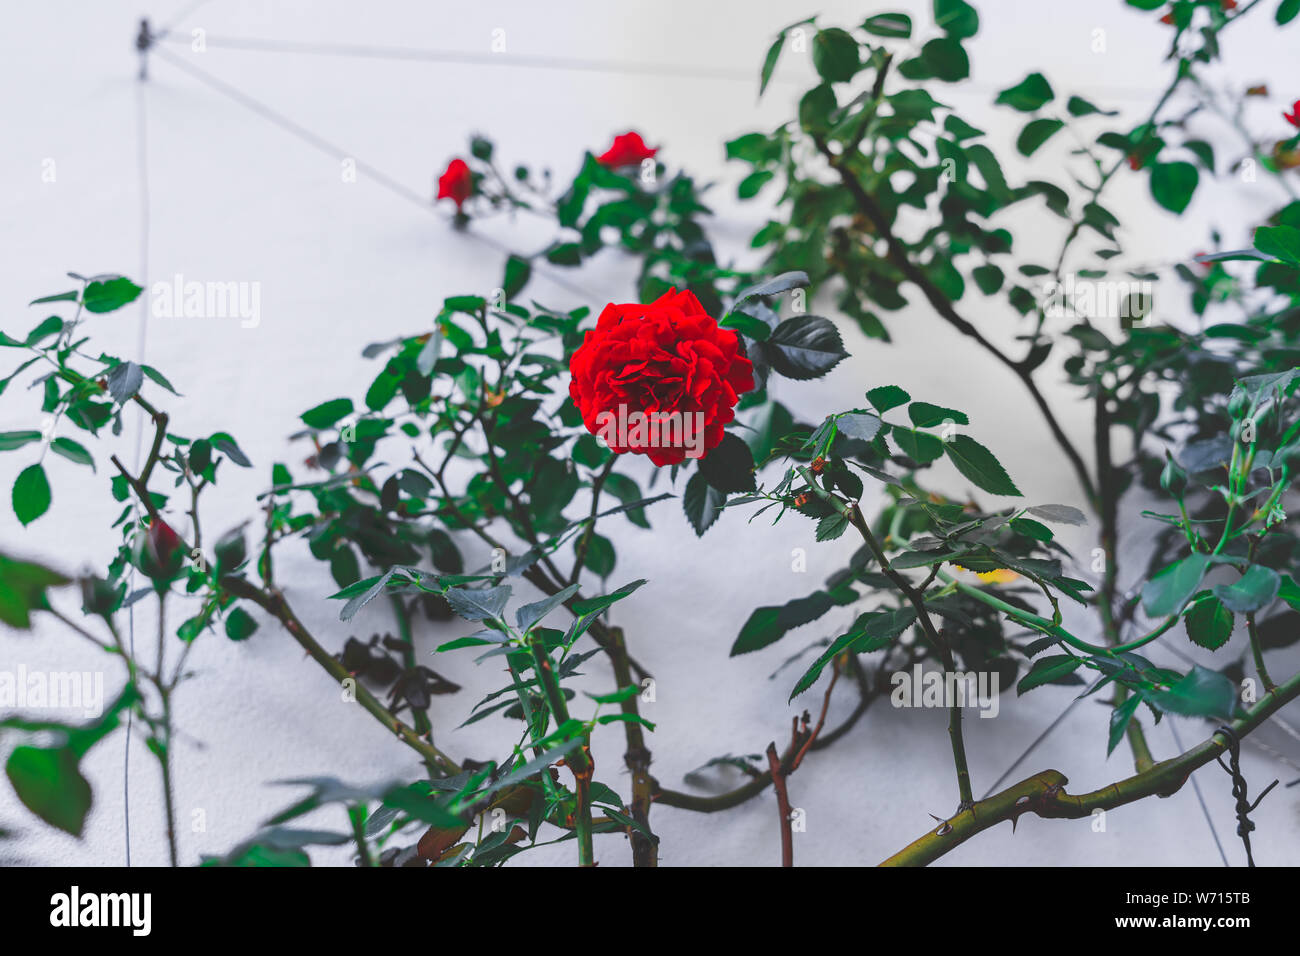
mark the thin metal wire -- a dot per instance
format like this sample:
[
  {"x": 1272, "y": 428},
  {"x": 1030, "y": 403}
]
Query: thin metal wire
[
  {"x": 142, "y": 159},
  {"x": 560, "y": 63},
  {"x": 1037, "y": 740},
  {"x": 1205, "y": 811},
  {"x": 337, "y": 152}
]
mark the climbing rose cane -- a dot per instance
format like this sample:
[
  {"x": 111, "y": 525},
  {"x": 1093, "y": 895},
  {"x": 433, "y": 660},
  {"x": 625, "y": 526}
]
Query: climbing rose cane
[{"x": 648, "y": 361}]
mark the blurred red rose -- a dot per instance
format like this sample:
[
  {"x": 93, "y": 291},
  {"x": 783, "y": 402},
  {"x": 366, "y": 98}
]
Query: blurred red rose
[
  {"x": 457, "y": 183},
  {"x": 653, "y": 360},
  {"x": 628, "y": 150},
  {"x": 1294, "y": 116}
]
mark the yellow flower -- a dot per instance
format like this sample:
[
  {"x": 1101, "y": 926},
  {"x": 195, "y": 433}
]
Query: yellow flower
[{"x": 996, "y": 576}]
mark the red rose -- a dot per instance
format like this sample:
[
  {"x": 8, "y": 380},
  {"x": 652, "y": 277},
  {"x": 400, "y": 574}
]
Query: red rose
[
  {"x": 628, "y": 150},
  {"x": 1294, "y": 116},
  {"x": 659, "y": 380},
  {"x": 457, "y": 183}
]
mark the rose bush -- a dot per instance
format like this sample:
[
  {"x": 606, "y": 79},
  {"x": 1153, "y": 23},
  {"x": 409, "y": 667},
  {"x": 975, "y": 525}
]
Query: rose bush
[{"x": 465, "y": 479}]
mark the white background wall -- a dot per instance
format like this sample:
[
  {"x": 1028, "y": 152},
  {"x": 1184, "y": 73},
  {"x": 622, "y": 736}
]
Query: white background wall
[{"x": 232, "y": 197}]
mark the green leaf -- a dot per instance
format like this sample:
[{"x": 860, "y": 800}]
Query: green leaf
[
  {"x": 1119, "y": 720},
  {"x": 816, "y": 107},
  {"x": 767, "y": 625},
  {"x": 756, "y": 329},
  {"x": 730, "y": 466},
  {"x": 921, "y": 447},
  {"x": 956, "y": 18},
  {"x": 12, "y": 440},
  {"x": 70, "y": 450},
  {"x": 835, "y": 55},
  {"x": 158, "y": 378},
  {"x": 858, "y": 426},
  {"x": 478, "y": 604},
  {"x": 327, "y": 413},
  {"x": 1202, "y": 693},
  {"x": 751, "y": 185},
  {"x": 592, "y": 605},
  {"x": 925, "y": 415},
  {"x": 702, "y": 503},
  {"x": 876, "y": 630},
  {"x": 897, "y": 25},
  {"x": 1028, "y": 95},
  {"x": 773, "y": 286},
  {"x": 1061, "y": 514},
  {"x": 565, "y": 254},
  {"x": 831, "y": 526},
  {"x": 1172, "y": 184},
  {"x": 988, "y": 278},
  {"x": 49, "y": 783},
  {"x": 1168, "y": 591},
  {"x": 1048, "y": 669},
  {"x": 50, "y": 326},
  {"x": 1254, "y": 590},
  {"x": 1035, "y": 134},
  {"x": 1078, "y": 106},
  {"x": 61, "y": 297},
  {"x": 600, "y": 555},
  {"x": 31, "y": 495},
  {"x": 517, "y": 273},
  {"x": 815, "y": 671},
  {"x": 124, "y": 381},
  {"x": 769, "y": 62},
  {"x": 240, "y": 624},
  {"x": 109, "y": 294},
  {"x": 22, "y": 590},
  {"x": 1280, "y": 242},
  {"x": 1208, "y": 623},
  {"x": 1286, "y": 11},
  {"x": 885, "y": 397},
  {"x": 946, "y": 59},
  {"x": 979, "y": 466},
  {"x": 804, "y": 347},
  {"x": 226, "y": 445}
]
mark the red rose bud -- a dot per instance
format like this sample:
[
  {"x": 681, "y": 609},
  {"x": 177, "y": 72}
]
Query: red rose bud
[
  {"x": 161, "y": 553},
  {"x": 457, "y": 183},
  {"x": 659, "y": 380},
  {"x": 627, "y": 150},
  {"x": 1294, "y": 116}
]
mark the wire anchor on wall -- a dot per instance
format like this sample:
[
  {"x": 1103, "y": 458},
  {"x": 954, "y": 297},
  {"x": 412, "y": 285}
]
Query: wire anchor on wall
[
  {"x": 144, "y": 41},
  {"x": 1244, "y": 806}
]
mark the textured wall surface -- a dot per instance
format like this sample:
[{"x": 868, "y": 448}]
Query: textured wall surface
[{"x": 232, "y": 196}]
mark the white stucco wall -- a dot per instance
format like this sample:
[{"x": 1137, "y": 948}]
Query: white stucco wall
[{"x": 232, "y": 197}]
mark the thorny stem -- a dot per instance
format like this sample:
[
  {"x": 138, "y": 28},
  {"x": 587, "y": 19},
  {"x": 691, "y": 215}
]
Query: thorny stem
[
  {"x": 1044, "y": 793},
  {"x": 163, "y": 748},
  {"x": 578, "y": 760},
  {"x": 1109, "y": 500},
  {"x": 916, "y": 598},
  {"x": 645, "y": 853},
  {"x": 273, "y": 603},
  {"x": 1257, "y": 650},
  {"x": 580, "y": 552},
  {"x": 899, "y": 256}
]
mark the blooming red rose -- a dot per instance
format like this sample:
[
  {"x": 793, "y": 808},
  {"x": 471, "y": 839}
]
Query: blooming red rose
[
  {"x": 628, "y": 150},
  {"x": 457, "y": 183},
  {"x": 1294, "y": 116},
  {"x": 659, "y": 380}
]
